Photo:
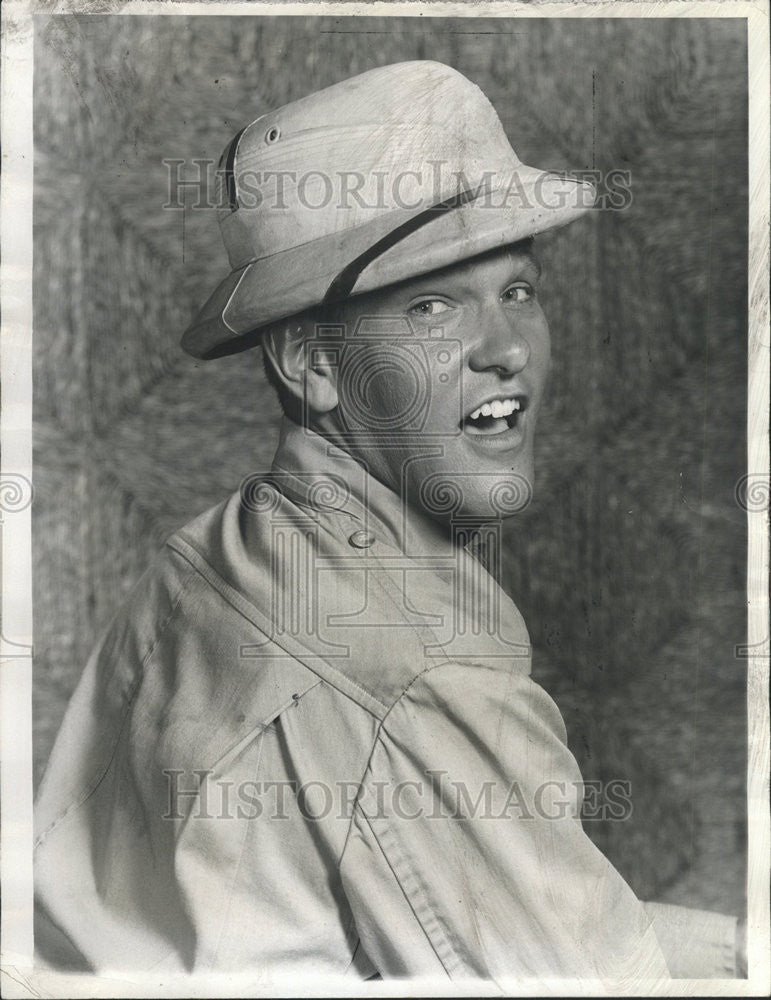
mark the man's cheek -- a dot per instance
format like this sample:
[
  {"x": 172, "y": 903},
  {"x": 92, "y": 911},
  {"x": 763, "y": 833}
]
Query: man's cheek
[
  {"x": 543, "y": 349},
  {"x": 386, "y": 389},
  {"x": 400, "y": 393}
]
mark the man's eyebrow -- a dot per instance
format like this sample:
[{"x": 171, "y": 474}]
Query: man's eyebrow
[
  {"x": 535, "y": 260},
  {"x": 530, "y": 256}
]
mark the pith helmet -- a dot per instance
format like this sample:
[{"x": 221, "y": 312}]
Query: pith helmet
[{"x": 390, "y": 174}]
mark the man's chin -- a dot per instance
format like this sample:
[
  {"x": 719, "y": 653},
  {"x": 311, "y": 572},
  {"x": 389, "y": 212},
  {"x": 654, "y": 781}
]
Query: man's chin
[{"x": 475, "y": 495}]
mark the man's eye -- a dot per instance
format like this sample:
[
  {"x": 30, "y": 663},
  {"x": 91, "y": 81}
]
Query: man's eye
[
  {"x": 429, "y": 307},
  {"x": 521, "y": 292}
]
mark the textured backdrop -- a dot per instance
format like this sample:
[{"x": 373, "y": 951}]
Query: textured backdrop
[{"x": 629, "y": 565}]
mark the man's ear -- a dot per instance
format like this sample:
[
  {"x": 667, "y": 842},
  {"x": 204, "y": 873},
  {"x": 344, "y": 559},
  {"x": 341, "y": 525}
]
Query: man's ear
[{"x": 302, "y": 368}]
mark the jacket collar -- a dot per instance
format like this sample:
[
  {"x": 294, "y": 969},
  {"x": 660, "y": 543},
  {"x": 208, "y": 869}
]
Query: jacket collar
[{"x": 319, "y": 475}]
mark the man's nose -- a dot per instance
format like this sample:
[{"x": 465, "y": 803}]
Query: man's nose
[{"x": 502, "y": 345}]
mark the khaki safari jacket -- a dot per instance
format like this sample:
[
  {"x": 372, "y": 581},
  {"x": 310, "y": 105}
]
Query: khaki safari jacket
[{"x": 309, "y": 743}]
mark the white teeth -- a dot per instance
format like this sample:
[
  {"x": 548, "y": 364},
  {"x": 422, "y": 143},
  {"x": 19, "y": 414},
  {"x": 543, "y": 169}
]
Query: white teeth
[{"x": 498, "y": 408}]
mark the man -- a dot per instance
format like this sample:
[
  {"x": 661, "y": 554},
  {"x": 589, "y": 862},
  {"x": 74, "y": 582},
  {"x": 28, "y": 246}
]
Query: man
[{"x": 309, "y": 744}]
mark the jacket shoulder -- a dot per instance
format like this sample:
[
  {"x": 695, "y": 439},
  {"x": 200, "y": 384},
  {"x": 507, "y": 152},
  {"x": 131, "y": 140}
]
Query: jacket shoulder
[{"x": 366, "y": 620}]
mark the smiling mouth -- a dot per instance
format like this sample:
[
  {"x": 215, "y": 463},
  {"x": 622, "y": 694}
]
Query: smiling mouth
[{"x": 496, "y": 416}]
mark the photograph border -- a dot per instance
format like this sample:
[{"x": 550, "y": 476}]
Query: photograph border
[{"x": 19, "y": 977}]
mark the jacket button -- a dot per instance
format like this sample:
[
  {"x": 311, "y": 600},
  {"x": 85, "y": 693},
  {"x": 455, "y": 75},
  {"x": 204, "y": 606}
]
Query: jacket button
[{"x": 361, "y": 540}]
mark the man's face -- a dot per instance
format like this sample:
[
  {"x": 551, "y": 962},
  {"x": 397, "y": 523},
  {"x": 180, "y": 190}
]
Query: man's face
[{"x": 439, "y": 384}]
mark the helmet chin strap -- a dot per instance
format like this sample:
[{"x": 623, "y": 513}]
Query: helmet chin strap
[{"x": 342, "y": 285}]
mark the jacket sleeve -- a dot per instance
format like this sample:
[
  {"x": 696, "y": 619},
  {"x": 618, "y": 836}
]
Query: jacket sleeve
[
  {"x": 466, "y": 855},
  {"x": 697, "y": 944}
]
